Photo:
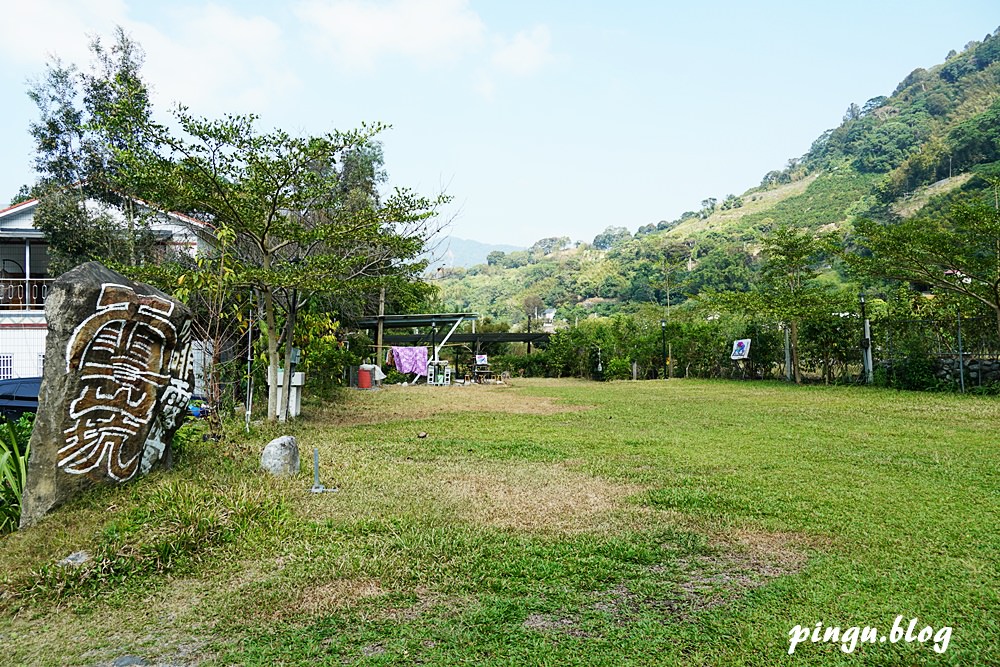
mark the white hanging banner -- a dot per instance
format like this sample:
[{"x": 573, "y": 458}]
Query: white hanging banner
[{"x": 741, "y": 349}]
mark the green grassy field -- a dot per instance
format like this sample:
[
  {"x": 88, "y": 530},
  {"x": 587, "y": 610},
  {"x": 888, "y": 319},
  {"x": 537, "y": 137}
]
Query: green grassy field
[{"x": 548, "y": 523}]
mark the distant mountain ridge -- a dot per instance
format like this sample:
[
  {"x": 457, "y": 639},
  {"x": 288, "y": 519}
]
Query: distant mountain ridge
[{"x": 452, "y": 252}]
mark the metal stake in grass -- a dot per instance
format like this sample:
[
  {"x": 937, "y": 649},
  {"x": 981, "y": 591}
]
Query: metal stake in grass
[{"x": 317, "y": 487}]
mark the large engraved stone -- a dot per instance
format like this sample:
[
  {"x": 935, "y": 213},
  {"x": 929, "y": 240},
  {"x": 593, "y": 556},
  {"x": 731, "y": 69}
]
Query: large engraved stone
[{"x": 118, "y": 377}]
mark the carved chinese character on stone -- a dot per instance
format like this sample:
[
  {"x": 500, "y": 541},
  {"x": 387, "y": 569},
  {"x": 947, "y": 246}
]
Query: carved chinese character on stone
[{"x": 117, "y": 381}]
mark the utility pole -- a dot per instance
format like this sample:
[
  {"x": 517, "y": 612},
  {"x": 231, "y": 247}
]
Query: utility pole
[
  {"x": 663, "y": 346},
  {"x": 529, "y": 331},
  {"x": 866, "y": 343},
  {"x": 381, "y": 325},
  {"x": 788, "y": 356}
]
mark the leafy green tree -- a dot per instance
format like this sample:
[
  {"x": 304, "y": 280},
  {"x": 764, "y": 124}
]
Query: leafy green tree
[
  {"x": 708, "y": 206},
  {"x": 59, "y": 133},
  {"x": 551, "y": 244},
  {"x": 787, "y": 290},
  {"x": 89, "y": 124},
  {"x": 959, "y": 254},
  {"x": 78, "y": 235},
  {"x": 977, "y": 139},
  {"x": 533, "y": 306},
  {"x": 611, "y": 236},
  {"x": 23, "y": 195},
  {"x": 299, "y": 226},
  {"x": 873, "y": 103},
  {"x": 731, "y": 201}
]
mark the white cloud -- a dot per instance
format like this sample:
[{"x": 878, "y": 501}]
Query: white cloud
[
  {"x": 209, "y": 57},
  {"x": 217, "y": 61},
  {"x": 358, "y": 33},
  {"x": 525, "y": 54},
  {"x": 32, "y": 32}
]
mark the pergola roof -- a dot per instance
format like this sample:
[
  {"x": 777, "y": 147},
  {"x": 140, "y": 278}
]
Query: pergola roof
[{"x": 419, "y": 320}]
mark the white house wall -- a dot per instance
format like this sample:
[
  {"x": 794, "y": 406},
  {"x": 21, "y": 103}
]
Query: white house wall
[
  {"x": 22, "y": 344},
  {"x": 23, "y": 332},
  {"x": 19, "y": 218}
]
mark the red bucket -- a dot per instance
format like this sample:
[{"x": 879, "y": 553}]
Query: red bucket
[{"x": 364, "y": 379}]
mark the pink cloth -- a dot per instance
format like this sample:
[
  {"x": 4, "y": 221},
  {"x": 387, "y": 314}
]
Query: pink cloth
[{"x": 410, "y": 359}]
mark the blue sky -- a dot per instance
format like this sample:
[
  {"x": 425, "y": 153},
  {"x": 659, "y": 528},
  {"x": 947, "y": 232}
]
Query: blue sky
[{"x": 539, "y": 118}]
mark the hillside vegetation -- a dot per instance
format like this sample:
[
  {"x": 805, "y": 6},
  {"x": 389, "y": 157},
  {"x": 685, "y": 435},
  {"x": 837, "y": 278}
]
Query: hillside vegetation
[{"x": 933, "y": 142}]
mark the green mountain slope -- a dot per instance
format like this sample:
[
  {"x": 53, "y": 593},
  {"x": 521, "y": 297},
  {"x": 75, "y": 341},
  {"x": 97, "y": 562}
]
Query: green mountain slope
[{"x": 934, "y": 140}]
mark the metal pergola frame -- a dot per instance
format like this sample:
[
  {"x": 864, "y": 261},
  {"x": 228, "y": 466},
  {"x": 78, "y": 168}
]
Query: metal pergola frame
[{"x": 434, "y": 320}]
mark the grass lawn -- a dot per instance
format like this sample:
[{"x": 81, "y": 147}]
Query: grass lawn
[{"x": 548, "y": 523}]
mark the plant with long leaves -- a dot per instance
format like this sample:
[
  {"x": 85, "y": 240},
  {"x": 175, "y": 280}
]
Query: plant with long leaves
[{"x": 14, "y": 451}]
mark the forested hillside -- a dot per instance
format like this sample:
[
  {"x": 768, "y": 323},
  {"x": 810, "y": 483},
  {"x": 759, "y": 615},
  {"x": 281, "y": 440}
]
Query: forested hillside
[{"x": 933, "y": 142}]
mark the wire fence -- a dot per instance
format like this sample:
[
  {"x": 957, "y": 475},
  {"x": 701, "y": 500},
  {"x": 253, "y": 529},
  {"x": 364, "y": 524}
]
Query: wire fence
[{"x": 960, "y": 354}]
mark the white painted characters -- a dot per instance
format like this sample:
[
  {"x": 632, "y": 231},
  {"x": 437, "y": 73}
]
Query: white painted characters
[{"x": 123, "y": 354}]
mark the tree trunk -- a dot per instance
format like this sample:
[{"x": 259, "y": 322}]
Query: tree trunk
[
  {"x": 286, "y": 380},
  {"x": 214, "y": 387},
  {"x": 272, "y": 356},
  {"x": 793, "y": 335}
]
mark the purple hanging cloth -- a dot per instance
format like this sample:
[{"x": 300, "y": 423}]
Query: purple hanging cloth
[{"x": 410, "y": 359}]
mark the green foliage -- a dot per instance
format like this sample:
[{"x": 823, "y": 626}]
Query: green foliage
[
  {"x": 88, "y": 137},
  {"x": 286, "y": 217},
  {"x": 186, "y": 438},
  {"x": 976, "y": 140},
  {"x": 957, "y": 255},
  {"x": 731, "y": 202},
  {"x": 788, "y": 291},
  {"x": 611, "y": 237},
  {"x": 914, "y": 371},
  {"x": 14, "y": 452},
  {"x": 298, "y": 213},
  {"x": 618, "y": 368},
  {"x": 77, "y": 235},
  {"x": 23, "y": 194},
  {"x": 535, "y": 364},
  {"x": 550, "y": 245},
  {"x": 325, "y": 355},
  {"x": 829, "y": 200}
]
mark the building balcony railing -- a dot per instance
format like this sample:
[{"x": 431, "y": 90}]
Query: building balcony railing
[{"x": 23, "y": 294}]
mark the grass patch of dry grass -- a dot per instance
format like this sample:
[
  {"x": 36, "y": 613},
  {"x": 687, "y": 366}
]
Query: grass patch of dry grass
[
  {"x": 395, "y": 403},
  {"x": 553, "y": 522}
]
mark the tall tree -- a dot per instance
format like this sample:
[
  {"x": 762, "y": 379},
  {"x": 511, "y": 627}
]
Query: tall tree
[
  {"x": 302, "y": 215},
  {"x": 788, "y": 289},
  {"x": 611, "y": 236},
  {"x": 959, "y": 254},
  {"x": 59, "y": 132},
  {"x": 87, "y": 122}
]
